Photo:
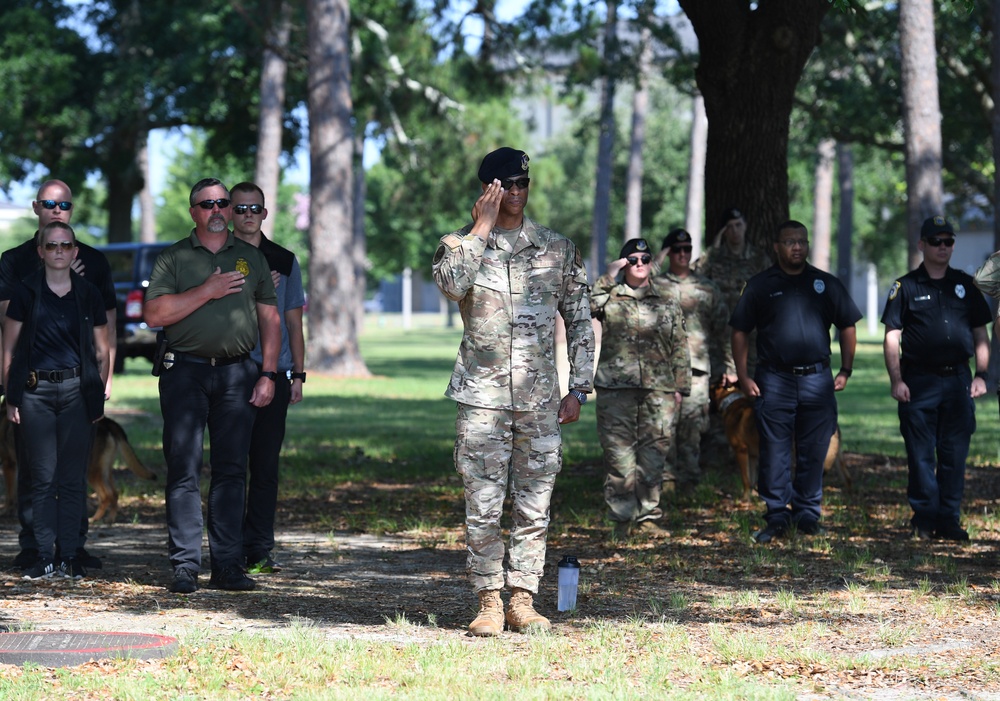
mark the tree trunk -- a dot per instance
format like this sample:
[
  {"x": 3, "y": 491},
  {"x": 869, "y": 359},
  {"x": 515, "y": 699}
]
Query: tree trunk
[
  {"x": 921, "y": 118},
  {"x": 605, "y": 150},
  {"x": 696, "y": 175},
  {"x": 750, "y": 60},
  {"x": 640, "y": 108},
  {"x": 147, "y": 207},
  {"x": 360, "y": 250},
  {"x": 333, "y": 288},
  {"x": 272, "y": 107},
  {"x": 845, "y": 219},
  {"x": 823, "y": 204},
  {"x": 125, "y": 181}
]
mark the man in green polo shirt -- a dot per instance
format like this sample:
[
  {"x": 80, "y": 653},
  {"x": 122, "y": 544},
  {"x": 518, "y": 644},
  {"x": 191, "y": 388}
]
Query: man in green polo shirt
[{"x": 212, "y": 293}]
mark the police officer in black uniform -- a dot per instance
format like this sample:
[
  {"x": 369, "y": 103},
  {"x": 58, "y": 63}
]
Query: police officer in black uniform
[
  {"x": 938, "y": 318},
  {"x": 792, "y": 304}
]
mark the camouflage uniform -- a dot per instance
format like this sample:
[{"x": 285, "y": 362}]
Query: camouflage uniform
[
  {"x": 644, "y": 360},
  {"x": 730, "y": 272},
  {"x": 507, "y": 388},
  {"x": 706, "y": 318}
]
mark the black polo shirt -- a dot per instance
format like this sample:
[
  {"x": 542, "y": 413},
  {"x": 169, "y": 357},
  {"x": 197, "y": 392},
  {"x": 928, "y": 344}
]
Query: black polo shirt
[
  {"x": 936, "y": 316},
  {"x": 57, "y": 331},
  {"x": 793, "y": 314},
  {"x": 19, "y": 262}
]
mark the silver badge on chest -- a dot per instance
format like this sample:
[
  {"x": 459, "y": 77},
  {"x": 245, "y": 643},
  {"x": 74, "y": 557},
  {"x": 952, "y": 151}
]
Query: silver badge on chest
[
  {"x": 819, "y": 286},
  {"x": 960, "y": 291}
]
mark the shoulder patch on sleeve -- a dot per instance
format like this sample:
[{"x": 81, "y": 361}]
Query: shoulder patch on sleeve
[{"x": 894, "y": 290}]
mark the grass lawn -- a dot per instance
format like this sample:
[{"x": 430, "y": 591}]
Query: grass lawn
[{"x": 697, "y": 613}]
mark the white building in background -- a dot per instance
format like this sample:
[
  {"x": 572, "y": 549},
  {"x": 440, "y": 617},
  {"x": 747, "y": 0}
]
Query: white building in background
[{"x": 10, "y": 212}]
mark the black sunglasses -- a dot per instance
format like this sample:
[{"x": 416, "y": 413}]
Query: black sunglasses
[
  {"x": 521, "y": 183},
  {"x": 65, "y": 245},
  {"x": 681, "y": 249},
  {"x": 936, "y": 241},
  {"x": 52, "y": 204},
  {"x": 242, "y": 208},
  {"x": 633, "y": 260},
  {"x": 208, "y": 204}
]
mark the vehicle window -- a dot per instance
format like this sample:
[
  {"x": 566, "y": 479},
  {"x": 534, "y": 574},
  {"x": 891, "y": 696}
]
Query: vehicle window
[{"x": 121, "y": 265}]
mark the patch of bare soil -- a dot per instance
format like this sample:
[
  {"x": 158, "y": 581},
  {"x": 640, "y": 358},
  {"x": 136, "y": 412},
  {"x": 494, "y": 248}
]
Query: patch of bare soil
[{"x": 859, "y": 587}]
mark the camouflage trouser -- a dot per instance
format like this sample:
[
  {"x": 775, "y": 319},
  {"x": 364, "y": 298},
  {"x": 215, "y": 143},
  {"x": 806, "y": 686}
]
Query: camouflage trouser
[
  {"x": 692, "y": 424},
  {"x": 492, "y": 447},
  {"x": 636, "y": 428}
]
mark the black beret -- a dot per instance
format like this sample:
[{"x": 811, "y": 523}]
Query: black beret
[
  {"x": 503, "y": 163},
  {"x": 676, "y": 236},
  {"x": 934, "y": 226},
  {"x": 729, "y": 215},
  {"x": 634, "y": 246}
]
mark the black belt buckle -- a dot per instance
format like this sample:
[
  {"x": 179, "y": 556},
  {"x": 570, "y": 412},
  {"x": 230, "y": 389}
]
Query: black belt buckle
[
  {"x": 800, "y": 370},
  {"x": 52, "y": 375}
]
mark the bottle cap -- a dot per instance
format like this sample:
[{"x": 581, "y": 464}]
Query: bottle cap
[{"x": 569, "y": 561}]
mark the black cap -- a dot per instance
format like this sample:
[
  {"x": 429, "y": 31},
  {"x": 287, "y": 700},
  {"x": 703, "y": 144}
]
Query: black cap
[
  {"x": 934, "y": 226},
  {"x": 503, "y": 163},
  {"x": 676, "y": 236},
  {"x": 730, "y": 214},
  {"x": 634, "y": 246}
]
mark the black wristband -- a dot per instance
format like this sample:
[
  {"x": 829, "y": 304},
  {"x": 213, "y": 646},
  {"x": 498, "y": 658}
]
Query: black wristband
[
  {"x": 299, "y": 376},
  {"x": 983, "y": 375},
  {"x": 846, "y": 372},
  {"x": 269, "y": 374}
]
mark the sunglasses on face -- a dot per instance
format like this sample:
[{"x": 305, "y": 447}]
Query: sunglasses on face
[
  {"x": 52, "y": 204},
  {"x": 634, "y": 260},
  {"x": 222, "y": 203},
  {"x": 936, "y": 241},
  {"x": 65, "y": 245},
  {"x": 681, "y": 249},
  {"x": 522, "y": 183},
  {"x": 242, "y": 208}
]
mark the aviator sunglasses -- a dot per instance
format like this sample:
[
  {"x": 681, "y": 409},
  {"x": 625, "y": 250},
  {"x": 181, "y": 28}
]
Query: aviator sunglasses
[
  {"x": 681, "y": 249},
  {"x": 52, "y": 204},
  {"x": 633, "y": 260},
  {"x": 65, "y": 245},
  {"x": 242, "y": 208},
  {"x": 208, "y": 204},
  {"x": 937, "y": 241},
  {"x": 521, "y": 183}
]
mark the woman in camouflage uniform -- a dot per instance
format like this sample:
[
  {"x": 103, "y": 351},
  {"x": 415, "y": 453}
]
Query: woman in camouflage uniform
[{"x": 643, "y": 372}]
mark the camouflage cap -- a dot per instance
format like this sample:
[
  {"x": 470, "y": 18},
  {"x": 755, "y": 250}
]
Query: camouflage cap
[
  {"x": 634, "y": 246},
  {"x": 936, "y": 225},
  {"x": 503, "y": 163}
]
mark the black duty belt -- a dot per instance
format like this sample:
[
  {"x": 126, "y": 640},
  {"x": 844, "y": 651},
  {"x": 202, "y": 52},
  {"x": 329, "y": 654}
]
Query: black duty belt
[
  {"x": 940, "y": 370},
  {"x": 215, "y": 362},
  {"x": 57, "y": 375},
  {"x": 803, "y": 369}
]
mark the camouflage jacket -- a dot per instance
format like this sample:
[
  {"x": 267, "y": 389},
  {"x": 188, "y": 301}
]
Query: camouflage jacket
[
  {"x": 987, "y": 278},
  {"x": 643, "y": 342},
  {"x": 731, "y": 272},
  {"x": 507, "y": 356},
  {"x": 706, "y": 318}
]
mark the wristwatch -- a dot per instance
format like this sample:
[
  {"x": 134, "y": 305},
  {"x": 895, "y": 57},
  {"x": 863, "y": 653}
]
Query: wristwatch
[
  {"x": 269, "y": 374},
  {"x": 580, "y": 396},
  {"x": 299, "y": 376}
]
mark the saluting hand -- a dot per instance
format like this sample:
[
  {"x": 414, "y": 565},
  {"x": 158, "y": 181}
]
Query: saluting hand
[
  {"x": 220, "y": 284},
  {"x": 486, "y": 209}
]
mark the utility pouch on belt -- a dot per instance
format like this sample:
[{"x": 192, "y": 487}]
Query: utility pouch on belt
[
  {"x": 161, "y": 352},
  {"x": 32, "y": 380}
]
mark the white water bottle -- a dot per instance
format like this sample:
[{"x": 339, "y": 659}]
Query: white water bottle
[{"x": 569, "y": 579}]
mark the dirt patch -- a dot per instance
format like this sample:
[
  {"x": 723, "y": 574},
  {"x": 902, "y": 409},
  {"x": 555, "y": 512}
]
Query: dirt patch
[{"x": 866, "y": 588}]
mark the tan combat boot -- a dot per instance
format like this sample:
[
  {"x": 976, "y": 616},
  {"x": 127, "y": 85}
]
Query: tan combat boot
[
  {"x": 521, "y": 615},
  {"x": 489, "y": 622}
]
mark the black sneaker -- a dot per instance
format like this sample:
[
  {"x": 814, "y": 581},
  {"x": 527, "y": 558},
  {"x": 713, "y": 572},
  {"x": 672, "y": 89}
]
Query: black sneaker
[
  {"x": 775, "y": 529},
  {"x": 810, "y": 527},
  {"x": 952, "y": 531},
  {"x": 185, "y": 581},
  {"x": 263, "y": 564},
  {"x": 232, "y": 578},
  {"x": 42, "y": 569},
  {"x": 72, "y": 569},
  {"x": 87, "y": 560}
]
